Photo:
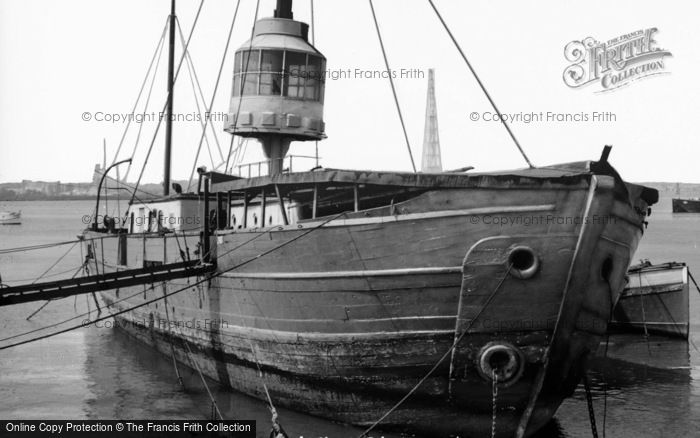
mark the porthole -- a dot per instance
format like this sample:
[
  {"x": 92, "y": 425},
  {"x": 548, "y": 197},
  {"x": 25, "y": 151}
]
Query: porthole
[
  {"x": 501, "y": 361},
  {"x": 523, "y": 262}
]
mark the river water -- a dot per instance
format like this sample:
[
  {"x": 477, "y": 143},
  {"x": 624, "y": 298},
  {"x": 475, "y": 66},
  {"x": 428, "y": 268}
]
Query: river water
[{"x": 641, "y": 388}]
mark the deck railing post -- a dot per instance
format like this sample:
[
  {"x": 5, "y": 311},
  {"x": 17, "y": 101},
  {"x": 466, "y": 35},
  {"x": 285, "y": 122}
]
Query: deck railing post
[
  {"x": 281, "y": 201},
  {"x": 220, "y": 219},
  {"x": 356, "y": 194},
  {"x": 245, "y": 209},
  {"x": 228, "y": 209},
  {"x": 205, "y": 234},
  {"x": 262, "y": 207}
]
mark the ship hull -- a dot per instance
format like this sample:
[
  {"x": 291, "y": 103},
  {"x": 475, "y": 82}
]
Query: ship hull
[
  {"x": 343, "y": 317},
  {"x": 655, "y": 301},
  {"x": 685, "y": 205}
]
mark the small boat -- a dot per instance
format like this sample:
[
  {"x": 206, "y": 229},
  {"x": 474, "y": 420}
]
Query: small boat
[
  {"x": 654, "y": 301},
  {"x": 689, "y": 205},
  {"x": 10, "y": 217},
  {"x": 684, "y": 205}
]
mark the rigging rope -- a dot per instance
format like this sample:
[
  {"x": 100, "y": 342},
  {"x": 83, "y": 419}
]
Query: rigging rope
[
  {"x": 244, "y": 75},
  {"x": 55, "y": 263},
  {"x": 80, "y": 268},
  {"x": 313, "y": 43},
  {"x": 196, "y": 100},
  {"x": 443, "y": 357},
  {"x": 145, "y": 110},
  {"x": 393, "y": 88},
  {"x": 483, "y": 88},
  {"x": 313, "y": 25},
  {"x": 237, "y": 153},
  {"x": 170, "y": 341},
  {"x": 213, "y": 95},
  {"x": 36, "y": 247},
  {"x": 160, "y": 121},
  {"x": 50, "y": 245},
  {"x": 55, "y": 274},
  {"x": 194, "y": 78},
  {"x": 230, "y": 146},
  {"x": 143, "y": 84}
]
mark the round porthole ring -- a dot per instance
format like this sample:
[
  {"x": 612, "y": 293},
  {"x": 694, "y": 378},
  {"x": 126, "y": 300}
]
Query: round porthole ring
[
  {"x": 523, "y": 261},
  {"x": 511, "y": 371}
]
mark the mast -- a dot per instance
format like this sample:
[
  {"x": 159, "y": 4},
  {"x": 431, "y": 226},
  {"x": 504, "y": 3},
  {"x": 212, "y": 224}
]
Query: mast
[
  {"x": 169, "y": 108},
  {"x": 431, "y": 161}
]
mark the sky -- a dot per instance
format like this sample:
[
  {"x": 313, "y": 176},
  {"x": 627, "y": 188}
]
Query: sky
[{"x": 62, "y": 60}]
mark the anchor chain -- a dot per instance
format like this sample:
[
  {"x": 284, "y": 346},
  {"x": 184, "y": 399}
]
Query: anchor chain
[
  {"x": 589, "y": 401},
  {"x": 494, "y": 394}
]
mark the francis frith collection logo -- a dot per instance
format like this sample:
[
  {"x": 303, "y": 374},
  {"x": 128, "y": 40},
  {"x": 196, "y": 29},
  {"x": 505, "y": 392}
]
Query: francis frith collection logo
[{"x": 614, "y": 63}]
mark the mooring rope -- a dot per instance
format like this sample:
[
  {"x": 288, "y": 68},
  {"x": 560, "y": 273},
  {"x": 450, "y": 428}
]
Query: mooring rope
[
  {"x": 693, "y": 280},
  {"x": 36, "y": 247}
]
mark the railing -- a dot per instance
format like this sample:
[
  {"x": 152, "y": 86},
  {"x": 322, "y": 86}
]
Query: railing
[{"x": 262, "y": 168}]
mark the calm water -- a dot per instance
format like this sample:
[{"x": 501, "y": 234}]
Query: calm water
[{"x": 650, "y": 388}]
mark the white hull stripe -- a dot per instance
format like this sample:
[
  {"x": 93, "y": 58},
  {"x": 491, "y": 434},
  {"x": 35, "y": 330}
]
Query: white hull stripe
[
  {"x": 344, "y": 274},
  {"x": 404, "y": 217}
]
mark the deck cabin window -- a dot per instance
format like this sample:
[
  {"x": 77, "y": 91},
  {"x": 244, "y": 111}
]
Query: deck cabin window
[{"x": 279, "y": 73}]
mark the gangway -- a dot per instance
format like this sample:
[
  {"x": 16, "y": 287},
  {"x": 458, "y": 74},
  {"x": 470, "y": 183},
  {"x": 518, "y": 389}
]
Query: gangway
[{"x": 94, "y": 283}]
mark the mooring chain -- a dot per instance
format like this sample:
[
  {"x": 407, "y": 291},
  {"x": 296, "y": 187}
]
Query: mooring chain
[
  {"x": 589, "y": 401},
  {"x": 494, "y": 394}
]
